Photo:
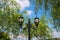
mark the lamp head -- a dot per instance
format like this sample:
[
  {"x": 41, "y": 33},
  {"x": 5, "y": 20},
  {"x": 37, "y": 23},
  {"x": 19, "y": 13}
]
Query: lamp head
[
  {"x": 36, "y": 21},
  {"x": 21, "y": 20}
]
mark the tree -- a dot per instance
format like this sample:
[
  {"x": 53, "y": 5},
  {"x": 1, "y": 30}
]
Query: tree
[
  {"x": 43, "y": 30},
  {"x": 4, "y": 36},
  {"x": 55, "y": 12},
  {"x": 53, "y": 6},
  {"x": 9, "y": 14}
]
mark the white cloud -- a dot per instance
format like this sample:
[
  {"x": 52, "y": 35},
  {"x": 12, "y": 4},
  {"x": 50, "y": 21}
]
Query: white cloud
[
  {"x": 29, "y": 12},
  {"x": 23, "y": 3},
  {"x": 56, "y": 34}
]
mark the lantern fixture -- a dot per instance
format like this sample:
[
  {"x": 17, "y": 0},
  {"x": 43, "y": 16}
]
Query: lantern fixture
[
  {"x": 21, "y": 20},
  {"x": 36, "y": 21}
]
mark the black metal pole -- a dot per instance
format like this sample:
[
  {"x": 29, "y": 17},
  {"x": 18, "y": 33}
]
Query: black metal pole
[
  {"x": 21, "y": 28},
  {"x": 20, "y": 25},
  {"x": 29, "y": 29}
]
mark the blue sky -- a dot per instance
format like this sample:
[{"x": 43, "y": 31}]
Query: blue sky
[{"x": 29, "y": 7}]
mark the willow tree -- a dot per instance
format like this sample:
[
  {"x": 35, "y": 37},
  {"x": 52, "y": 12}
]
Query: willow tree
[
  {"x": 53, "y": 6},
  {"x": 9, "y": 13}
]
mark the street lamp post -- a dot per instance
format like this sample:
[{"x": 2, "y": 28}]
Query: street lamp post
[
  {"x": 36, "y": 21},
  {"x": 29, "y": 26}
]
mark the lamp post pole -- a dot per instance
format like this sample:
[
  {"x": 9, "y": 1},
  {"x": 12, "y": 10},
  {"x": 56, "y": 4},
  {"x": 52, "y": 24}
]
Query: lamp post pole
[{"x": 29, "y": 26}]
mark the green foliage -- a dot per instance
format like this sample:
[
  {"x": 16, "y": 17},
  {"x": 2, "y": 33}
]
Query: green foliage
[
  {"x": 42, "y": 30},
  {"x": 55, "y": 10},
  {"x": 4, "y": 36},
  {"x": 53, "y": 6},
  {"x": 55, "y": 13},
  {"x": 9, "y": 14}
]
